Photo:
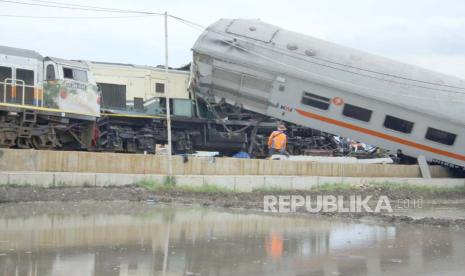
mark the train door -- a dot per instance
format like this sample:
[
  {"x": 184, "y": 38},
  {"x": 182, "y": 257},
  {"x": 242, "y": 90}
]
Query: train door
[
  {"x": 24, "y": 92},
  {"x": 281, "y": 97}
]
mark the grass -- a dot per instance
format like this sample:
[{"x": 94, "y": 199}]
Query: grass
[{"x": 169, "y": 185}]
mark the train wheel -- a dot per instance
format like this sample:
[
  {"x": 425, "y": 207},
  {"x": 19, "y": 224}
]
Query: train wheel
[
  {"x": 24, "y": 143},
  {"x": 7, "y": 139},
  {"x": 44, "y": 142}
]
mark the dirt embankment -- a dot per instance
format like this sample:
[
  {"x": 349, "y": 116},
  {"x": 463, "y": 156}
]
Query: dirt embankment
[{"x": 253, "y": 200}]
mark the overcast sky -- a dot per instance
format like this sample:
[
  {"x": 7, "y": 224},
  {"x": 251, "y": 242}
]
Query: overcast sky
[{"x": 429, "y": 33}]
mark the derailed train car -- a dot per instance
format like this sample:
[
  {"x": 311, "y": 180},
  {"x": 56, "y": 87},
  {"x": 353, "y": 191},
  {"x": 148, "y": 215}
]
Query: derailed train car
[{"x": 318, "y": 84}]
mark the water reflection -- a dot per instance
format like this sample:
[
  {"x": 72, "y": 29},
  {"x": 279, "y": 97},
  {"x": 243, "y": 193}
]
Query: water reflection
[{"x": 137, "y": 239}]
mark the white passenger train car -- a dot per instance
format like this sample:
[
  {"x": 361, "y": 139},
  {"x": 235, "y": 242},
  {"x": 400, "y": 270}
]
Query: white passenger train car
[{"x": 329, "y": 87}]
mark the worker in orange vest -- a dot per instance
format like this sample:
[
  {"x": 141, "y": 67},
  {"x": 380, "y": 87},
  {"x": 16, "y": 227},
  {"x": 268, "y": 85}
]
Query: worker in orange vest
[{"x": 277, "y": 141}]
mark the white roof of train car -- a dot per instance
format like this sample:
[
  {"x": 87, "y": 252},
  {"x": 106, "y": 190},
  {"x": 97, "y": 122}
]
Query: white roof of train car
[
  {"x": 71, "y": 63},
  {"x": 5, "y": 50},
  {"x": 266, "y": 46},
  {"x": 159, "y": 68}
]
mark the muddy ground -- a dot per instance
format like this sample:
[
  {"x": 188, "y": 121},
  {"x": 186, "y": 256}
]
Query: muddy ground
[{"x": 250, "y": 201}]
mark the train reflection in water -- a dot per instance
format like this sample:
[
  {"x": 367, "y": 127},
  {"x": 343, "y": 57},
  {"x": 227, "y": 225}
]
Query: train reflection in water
[{"x": 214, "y": 242}]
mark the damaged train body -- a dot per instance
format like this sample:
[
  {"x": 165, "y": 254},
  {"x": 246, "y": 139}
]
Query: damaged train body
[{"x": 310, "y": 82}]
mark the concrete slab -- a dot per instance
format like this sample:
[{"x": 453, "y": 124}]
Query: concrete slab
[
  {"x": 4, "y": 178},
  {"x": 323, "y": 180},
  {"x": 157, "y": 178},
  {"x": 247, "y": 183},
  {"x": 31, "y": 178},
  {"x": 304, "y": 182},
  {"x": 189, "y": 180},
  {"x": 74, "y": 179},
  {"x": 222, "y": 181},
  {"x": 278, "y": 182},
  {"x": 113, "y": 179}
]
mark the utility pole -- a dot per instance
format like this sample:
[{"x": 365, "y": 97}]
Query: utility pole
[{"x": 167, "y": 96}]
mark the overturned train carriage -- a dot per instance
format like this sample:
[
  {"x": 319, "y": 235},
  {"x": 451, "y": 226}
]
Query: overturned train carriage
[{"x": 314, "y": 83}]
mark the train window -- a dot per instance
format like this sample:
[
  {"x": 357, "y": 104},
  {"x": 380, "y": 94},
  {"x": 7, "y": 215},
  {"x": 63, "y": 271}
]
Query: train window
[
  {"x": 80, "y": 75},
  {"x": 356, "y": 112},
  {"x": 159, "y": 87},
  {"x": 5, "y": 73},
  {"x": 50, "y": 72},
  {"x": 440, "y": 136},
  {"x": 398, "y": 124},
  {"x": 75, "y": 74},
  {"x": 68, "y": 73},
  {"x": 25, "y": 75},
  {"x": 315, "y": 101}
]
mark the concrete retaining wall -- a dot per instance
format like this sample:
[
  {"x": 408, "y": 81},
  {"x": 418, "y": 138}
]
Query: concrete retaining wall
[
  {"x": 243, "y": 183},
  {"x": 91, "y": 162}
]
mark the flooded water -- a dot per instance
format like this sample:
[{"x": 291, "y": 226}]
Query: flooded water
[{"x": 140, "y": 239}]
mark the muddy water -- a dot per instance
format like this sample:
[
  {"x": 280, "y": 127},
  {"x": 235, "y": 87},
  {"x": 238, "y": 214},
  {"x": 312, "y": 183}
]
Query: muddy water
[{"x": 141, "y": 239}]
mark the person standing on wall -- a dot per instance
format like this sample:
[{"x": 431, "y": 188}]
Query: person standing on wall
[{"x": 277, "y": 141}]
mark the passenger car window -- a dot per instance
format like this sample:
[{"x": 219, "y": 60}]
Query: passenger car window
[
  {"x": 315, "y": 101},
  {"x": 440, "y": 136},
  {"x": 357, "y": 112},
  {"x": 398, "y": 124}
]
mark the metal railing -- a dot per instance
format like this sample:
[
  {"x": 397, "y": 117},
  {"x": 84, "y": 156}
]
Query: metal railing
[{"x": 38, "y": 95}]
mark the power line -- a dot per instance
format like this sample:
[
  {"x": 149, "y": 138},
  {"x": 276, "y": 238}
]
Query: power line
[
  {"x": 97, "y": 7},
  {"x": 84, "y": 6},
  {"x": 73, "y": 17},
  {"x": 77, "y": 7}
]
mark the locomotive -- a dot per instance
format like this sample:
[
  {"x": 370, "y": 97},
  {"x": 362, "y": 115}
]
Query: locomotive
[{"x": 45, "y": 102}]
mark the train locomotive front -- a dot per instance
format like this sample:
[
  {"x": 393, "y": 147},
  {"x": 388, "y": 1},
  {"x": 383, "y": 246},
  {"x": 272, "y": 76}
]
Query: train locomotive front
[{"x": 46, "y": 102}]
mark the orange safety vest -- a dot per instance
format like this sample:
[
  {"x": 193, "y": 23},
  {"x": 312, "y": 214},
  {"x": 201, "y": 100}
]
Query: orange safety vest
[{"x": 277, "y": 140}]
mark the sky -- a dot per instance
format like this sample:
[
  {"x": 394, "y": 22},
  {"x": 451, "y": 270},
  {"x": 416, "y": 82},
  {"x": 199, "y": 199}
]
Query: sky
[{"x": 428, "y": 33}]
